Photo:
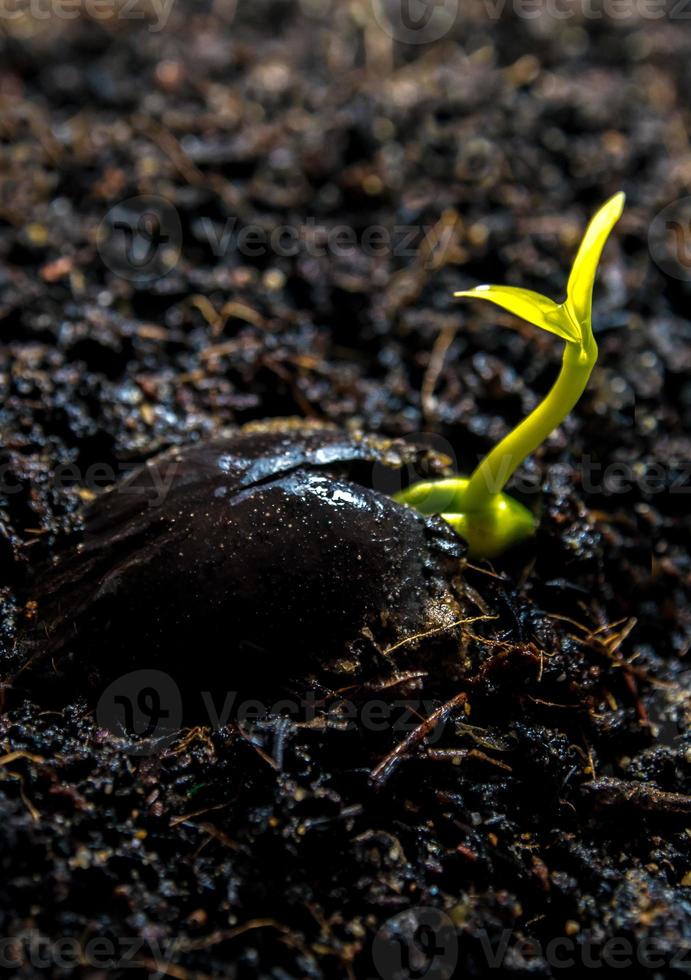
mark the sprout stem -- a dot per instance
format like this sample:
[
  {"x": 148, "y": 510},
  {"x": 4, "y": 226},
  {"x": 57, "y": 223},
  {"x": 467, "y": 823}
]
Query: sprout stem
[{"x": 495, "y": 470}]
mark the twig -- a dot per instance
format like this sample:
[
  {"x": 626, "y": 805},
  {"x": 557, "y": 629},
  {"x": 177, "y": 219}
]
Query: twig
[
  {"x": 434, "y": 369},
  {"x": 432, "y": 632},
  {"x": 381, "y": 773}
]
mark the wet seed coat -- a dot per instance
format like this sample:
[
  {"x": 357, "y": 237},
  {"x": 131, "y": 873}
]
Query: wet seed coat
[{"x": 261, "y": 551}]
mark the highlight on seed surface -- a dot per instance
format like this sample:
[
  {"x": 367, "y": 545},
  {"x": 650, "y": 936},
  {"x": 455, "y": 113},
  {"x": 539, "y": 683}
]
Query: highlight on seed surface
[{"x": 492, "y": 521}]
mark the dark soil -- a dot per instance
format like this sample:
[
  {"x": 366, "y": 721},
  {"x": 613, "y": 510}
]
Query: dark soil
[{"x": 547, "y": 795}]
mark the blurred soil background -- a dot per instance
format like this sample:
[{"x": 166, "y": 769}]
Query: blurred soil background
[{"x": 476, "y": 148}]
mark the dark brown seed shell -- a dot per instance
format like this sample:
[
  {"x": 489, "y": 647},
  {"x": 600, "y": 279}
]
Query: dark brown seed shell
[{"x": 264, "y": 550}]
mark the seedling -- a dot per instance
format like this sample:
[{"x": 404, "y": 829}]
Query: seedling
[{"x": 492, "y": 521}]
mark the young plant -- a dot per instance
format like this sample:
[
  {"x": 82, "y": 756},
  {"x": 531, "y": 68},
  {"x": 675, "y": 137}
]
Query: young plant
[{"x": 490, "y": 520}]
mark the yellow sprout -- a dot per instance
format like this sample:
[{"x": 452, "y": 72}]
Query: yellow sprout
[{"x": 490, "y": 520}]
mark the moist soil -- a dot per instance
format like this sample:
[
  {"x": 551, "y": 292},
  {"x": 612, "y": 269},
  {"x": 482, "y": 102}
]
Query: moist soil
[{"x": 541, "y": 792}]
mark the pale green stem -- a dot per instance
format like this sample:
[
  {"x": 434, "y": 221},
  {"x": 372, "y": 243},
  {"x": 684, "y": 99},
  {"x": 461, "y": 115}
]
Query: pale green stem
[{"x": 494, "y": 471}]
